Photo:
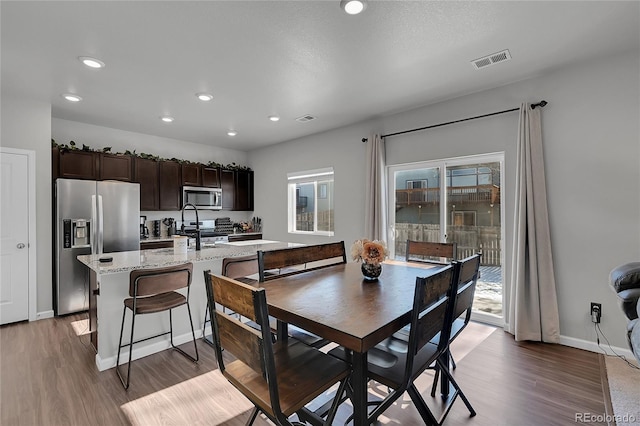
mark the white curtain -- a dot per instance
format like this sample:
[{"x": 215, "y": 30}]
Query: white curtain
[
  {"x": 375, "y": 220},
  {"x": 533, "y": 308}
]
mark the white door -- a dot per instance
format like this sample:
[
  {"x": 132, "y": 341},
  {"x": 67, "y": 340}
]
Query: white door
[{"x": 14, "y": 237}]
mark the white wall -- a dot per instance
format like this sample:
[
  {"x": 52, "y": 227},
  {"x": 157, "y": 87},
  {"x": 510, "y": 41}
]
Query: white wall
[
  {"x": 26, "y": 124},
  {"x": 591, "y": 140}
]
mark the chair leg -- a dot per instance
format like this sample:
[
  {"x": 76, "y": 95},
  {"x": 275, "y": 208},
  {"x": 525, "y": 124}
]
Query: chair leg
[
  {"x": 133, "y": 322},
  {"x": 125, "y": 384},
  {"x": 193, "y": 333},
  {"x": 252, "y": 417},
  {"x": 208, "y": 341},
  {"x": 421, "y": 406},
  {"x": 435, "y": 380}
]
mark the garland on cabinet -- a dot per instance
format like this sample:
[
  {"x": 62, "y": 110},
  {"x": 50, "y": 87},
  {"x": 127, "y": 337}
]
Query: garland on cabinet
[{"x": 72, "y": 147}]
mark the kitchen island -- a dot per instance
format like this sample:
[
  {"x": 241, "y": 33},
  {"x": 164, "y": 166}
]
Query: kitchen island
[{"x": 109, "y": 286}]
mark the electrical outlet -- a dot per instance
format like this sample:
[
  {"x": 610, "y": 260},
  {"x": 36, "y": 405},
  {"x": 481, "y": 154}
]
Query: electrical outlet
[{"x": 596, "y": 312}]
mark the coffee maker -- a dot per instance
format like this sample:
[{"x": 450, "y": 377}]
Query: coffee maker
[{"x": 144, "y": 231}]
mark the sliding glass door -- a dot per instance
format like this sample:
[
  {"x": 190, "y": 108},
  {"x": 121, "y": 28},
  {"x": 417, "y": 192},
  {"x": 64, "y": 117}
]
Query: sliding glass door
[{"x": 454, "y": 200}]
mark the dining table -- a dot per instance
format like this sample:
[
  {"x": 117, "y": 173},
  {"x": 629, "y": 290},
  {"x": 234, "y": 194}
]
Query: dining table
[{"x": 338, "y": 304}]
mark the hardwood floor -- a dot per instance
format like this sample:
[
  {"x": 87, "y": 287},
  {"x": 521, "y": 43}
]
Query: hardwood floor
[{"x": 48, "y": 377}]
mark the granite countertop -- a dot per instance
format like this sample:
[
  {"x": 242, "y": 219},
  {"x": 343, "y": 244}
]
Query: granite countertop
[{"x": 138, "y": 259}]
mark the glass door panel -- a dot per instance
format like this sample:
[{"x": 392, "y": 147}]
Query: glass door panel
[{"x": 417, "y": 207}]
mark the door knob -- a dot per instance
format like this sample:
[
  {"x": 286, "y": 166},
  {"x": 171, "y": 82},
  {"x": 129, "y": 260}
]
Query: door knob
[{"x": 20, "y": 245}]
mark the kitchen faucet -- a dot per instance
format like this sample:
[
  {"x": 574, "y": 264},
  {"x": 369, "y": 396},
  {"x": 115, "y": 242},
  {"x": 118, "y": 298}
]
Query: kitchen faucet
[{"x": 195, "y": 234}]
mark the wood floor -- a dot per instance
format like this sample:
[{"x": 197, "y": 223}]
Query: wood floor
[{"x": 48, "y": 377}]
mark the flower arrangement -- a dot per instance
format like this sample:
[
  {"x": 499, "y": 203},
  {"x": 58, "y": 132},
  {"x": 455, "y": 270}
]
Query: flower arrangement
[{"x": 367, "y": 251}]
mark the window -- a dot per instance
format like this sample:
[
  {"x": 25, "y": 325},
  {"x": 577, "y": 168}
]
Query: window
[{"x": 310, "y": 202}]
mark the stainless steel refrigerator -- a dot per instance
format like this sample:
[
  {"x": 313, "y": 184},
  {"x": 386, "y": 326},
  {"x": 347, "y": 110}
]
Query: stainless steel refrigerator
[{"x": 91, "y": 217}]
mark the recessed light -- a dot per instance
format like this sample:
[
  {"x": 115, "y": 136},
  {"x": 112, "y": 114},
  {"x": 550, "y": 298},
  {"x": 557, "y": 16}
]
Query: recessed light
[
  {"x": 204, "y": 97},
  {"x": 232, "y": 133},
  {"x": 167, "y": 119},
  {"x": 353, "y": 7},
  {"x": 91, "y": 62},
  {"x": 274, "y": 118},
  {"x": 71, "y": 97}
]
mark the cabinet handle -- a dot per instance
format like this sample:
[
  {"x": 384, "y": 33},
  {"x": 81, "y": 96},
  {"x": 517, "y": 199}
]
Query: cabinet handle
[{"x": 20, "y": 245}]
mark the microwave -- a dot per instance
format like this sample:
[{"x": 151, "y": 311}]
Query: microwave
[{"x": 203, "y": 198}]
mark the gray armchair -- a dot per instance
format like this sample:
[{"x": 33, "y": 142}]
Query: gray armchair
[{"x": 625, "y": 280}]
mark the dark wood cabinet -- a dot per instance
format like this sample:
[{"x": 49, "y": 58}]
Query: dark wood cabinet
[
  {"x": 210, "y": 177},
  {"x": 237, "y": 189},
  {"x": 55, "y": 163},
  {"x": 150, "y": 245},
  {"x": 78, "y": 164},
  {"x": 228, "y": 189},
  {"x": 192, "y": 174},
  {"x": 117, "y": 167},
  {"x": 170, "y": 185},
  {"x": 146, "y": 174},
  {"x": 244, "y": 190},
  {"x": 244, "y": 237}
]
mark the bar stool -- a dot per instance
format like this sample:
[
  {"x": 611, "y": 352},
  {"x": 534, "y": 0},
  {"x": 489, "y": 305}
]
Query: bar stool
[{"x": 151, "y": 291}]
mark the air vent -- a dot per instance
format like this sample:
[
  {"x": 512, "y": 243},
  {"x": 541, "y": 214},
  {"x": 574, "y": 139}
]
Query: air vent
[
  {"x": 305, "y": 118},
  {"x": 492, "y": 59}
]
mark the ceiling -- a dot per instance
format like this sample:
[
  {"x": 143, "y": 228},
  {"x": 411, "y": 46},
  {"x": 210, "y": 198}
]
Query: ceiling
[{"x": 286, "y": 58}]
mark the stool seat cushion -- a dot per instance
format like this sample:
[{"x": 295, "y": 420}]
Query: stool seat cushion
[{"x": 156, "y": 303}]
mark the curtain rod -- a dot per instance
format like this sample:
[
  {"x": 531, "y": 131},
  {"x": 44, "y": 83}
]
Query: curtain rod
[{"x": 540, "y": 104}]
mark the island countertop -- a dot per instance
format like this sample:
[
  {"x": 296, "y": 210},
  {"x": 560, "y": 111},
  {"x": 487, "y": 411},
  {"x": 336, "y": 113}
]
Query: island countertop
[{"x": 155, "y": 258}]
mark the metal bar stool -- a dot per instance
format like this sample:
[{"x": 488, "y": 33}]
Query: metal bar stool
[{"x": 151, "y": 291}]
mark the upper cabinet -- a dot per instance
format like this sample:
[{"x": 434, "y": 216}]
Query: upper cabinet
[
  {"x": 170, "y": 185},
  {"x": 237, "y": 189},
  {"x": 161, "y": 181},
  {"x": 211, "y": 177},
  {"x": 76, "y": 164},
  {"x": 191, "y": 174},
  {"x": 146, "y": 174},
  {"x": 117, "y": 167}
]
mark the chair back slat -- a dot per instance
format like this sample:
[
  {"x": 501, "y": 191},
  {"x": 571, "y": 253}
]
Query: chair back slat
[
  {"x": 234, "y": 295},
  {"x": 428, "y": 251},
  {"x": 159, "y": 280},
  {"x": 239, "y": 267},
  {"x": 299, "y": 259},
  {"x": 467, "y": 280},
  {"x": 240, "y": 340},
  {"x": 432, "y": 297}
]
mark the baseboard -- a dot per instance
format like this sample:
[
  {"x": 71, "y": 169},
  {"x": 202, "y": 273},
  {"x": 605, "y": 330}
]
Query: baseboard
[
  {"x": 161, "y": 345},
  {"x": 44, "y": 315},
  {"x": 593, "y": 347}
]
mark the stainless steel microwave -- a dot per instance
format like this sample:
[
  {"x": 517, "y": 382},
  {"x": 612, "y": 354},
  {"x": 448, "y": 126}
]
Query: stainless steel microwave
[{"x": 202, "y": 197}]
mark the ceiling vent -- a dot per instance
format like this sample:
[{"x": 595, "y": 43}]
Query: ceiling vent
[
  {"x": 492, "y": 59},
  {"x": 305, "y": 118}
]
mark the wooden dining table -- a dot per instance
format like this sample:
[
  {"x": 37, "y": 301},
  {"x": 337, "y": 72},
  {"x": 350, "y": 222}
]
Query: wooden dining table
[{"x": 338, "y": 304}]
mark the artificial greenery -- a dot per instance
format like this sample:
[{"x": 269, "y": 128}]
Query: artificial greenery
[{"x": 71, "y": 146}]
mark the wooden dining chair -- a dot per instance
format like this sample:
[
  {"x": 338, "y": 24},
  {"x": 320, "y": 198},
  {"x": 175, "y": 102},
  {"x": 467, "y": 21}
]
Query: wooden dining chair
[
  {"x": 240, "y": 268},
  {"x": 278, "y": 263},
  {"x": 279, "y": 378},
  {"x": 398, "y": 367},
  {"x": 430, "y": 252},
  {"x": 152, "y": 291},
  {"x": 467, "y": 280}
]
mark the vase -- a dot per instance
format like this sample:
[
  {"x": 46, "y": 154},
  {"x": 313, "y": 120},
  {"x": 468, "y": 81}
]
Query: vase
[{"x": 371, "y": 271}]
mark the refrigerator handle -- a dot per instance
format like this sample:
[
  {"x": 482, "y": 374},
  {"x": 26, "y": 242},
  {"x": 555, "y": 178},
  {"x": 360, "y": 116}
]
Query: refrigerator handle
[
  {"x": 94, "y": 226},
  {"x": 100, "y": 226}
]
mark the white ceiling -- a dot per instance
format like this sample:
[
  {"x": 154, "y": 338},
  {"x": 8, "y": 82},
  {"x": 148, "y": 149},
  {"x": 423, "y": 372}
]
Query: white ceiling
[{"x": 287, "y": 58}]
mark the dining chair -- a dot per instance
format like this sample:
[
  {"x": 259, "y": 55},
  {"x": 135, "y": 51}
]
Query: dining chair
[
  {"x": 278, "y": 263},
  {"x": 240, "y": 268},
  {"x": 151, "y": 291},
  {"x": 279, "y": 378},
  {"x": 398, "y": 367},
  {"x": 467, "y": 280},
  {"x": 430, "y": 252}
]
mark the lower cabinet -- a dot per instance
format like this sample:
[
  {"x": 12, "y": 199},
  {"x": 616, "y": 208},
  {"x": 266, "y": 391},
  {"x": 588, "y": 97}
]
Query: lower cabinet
[{"x": 150, "y": 245}]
